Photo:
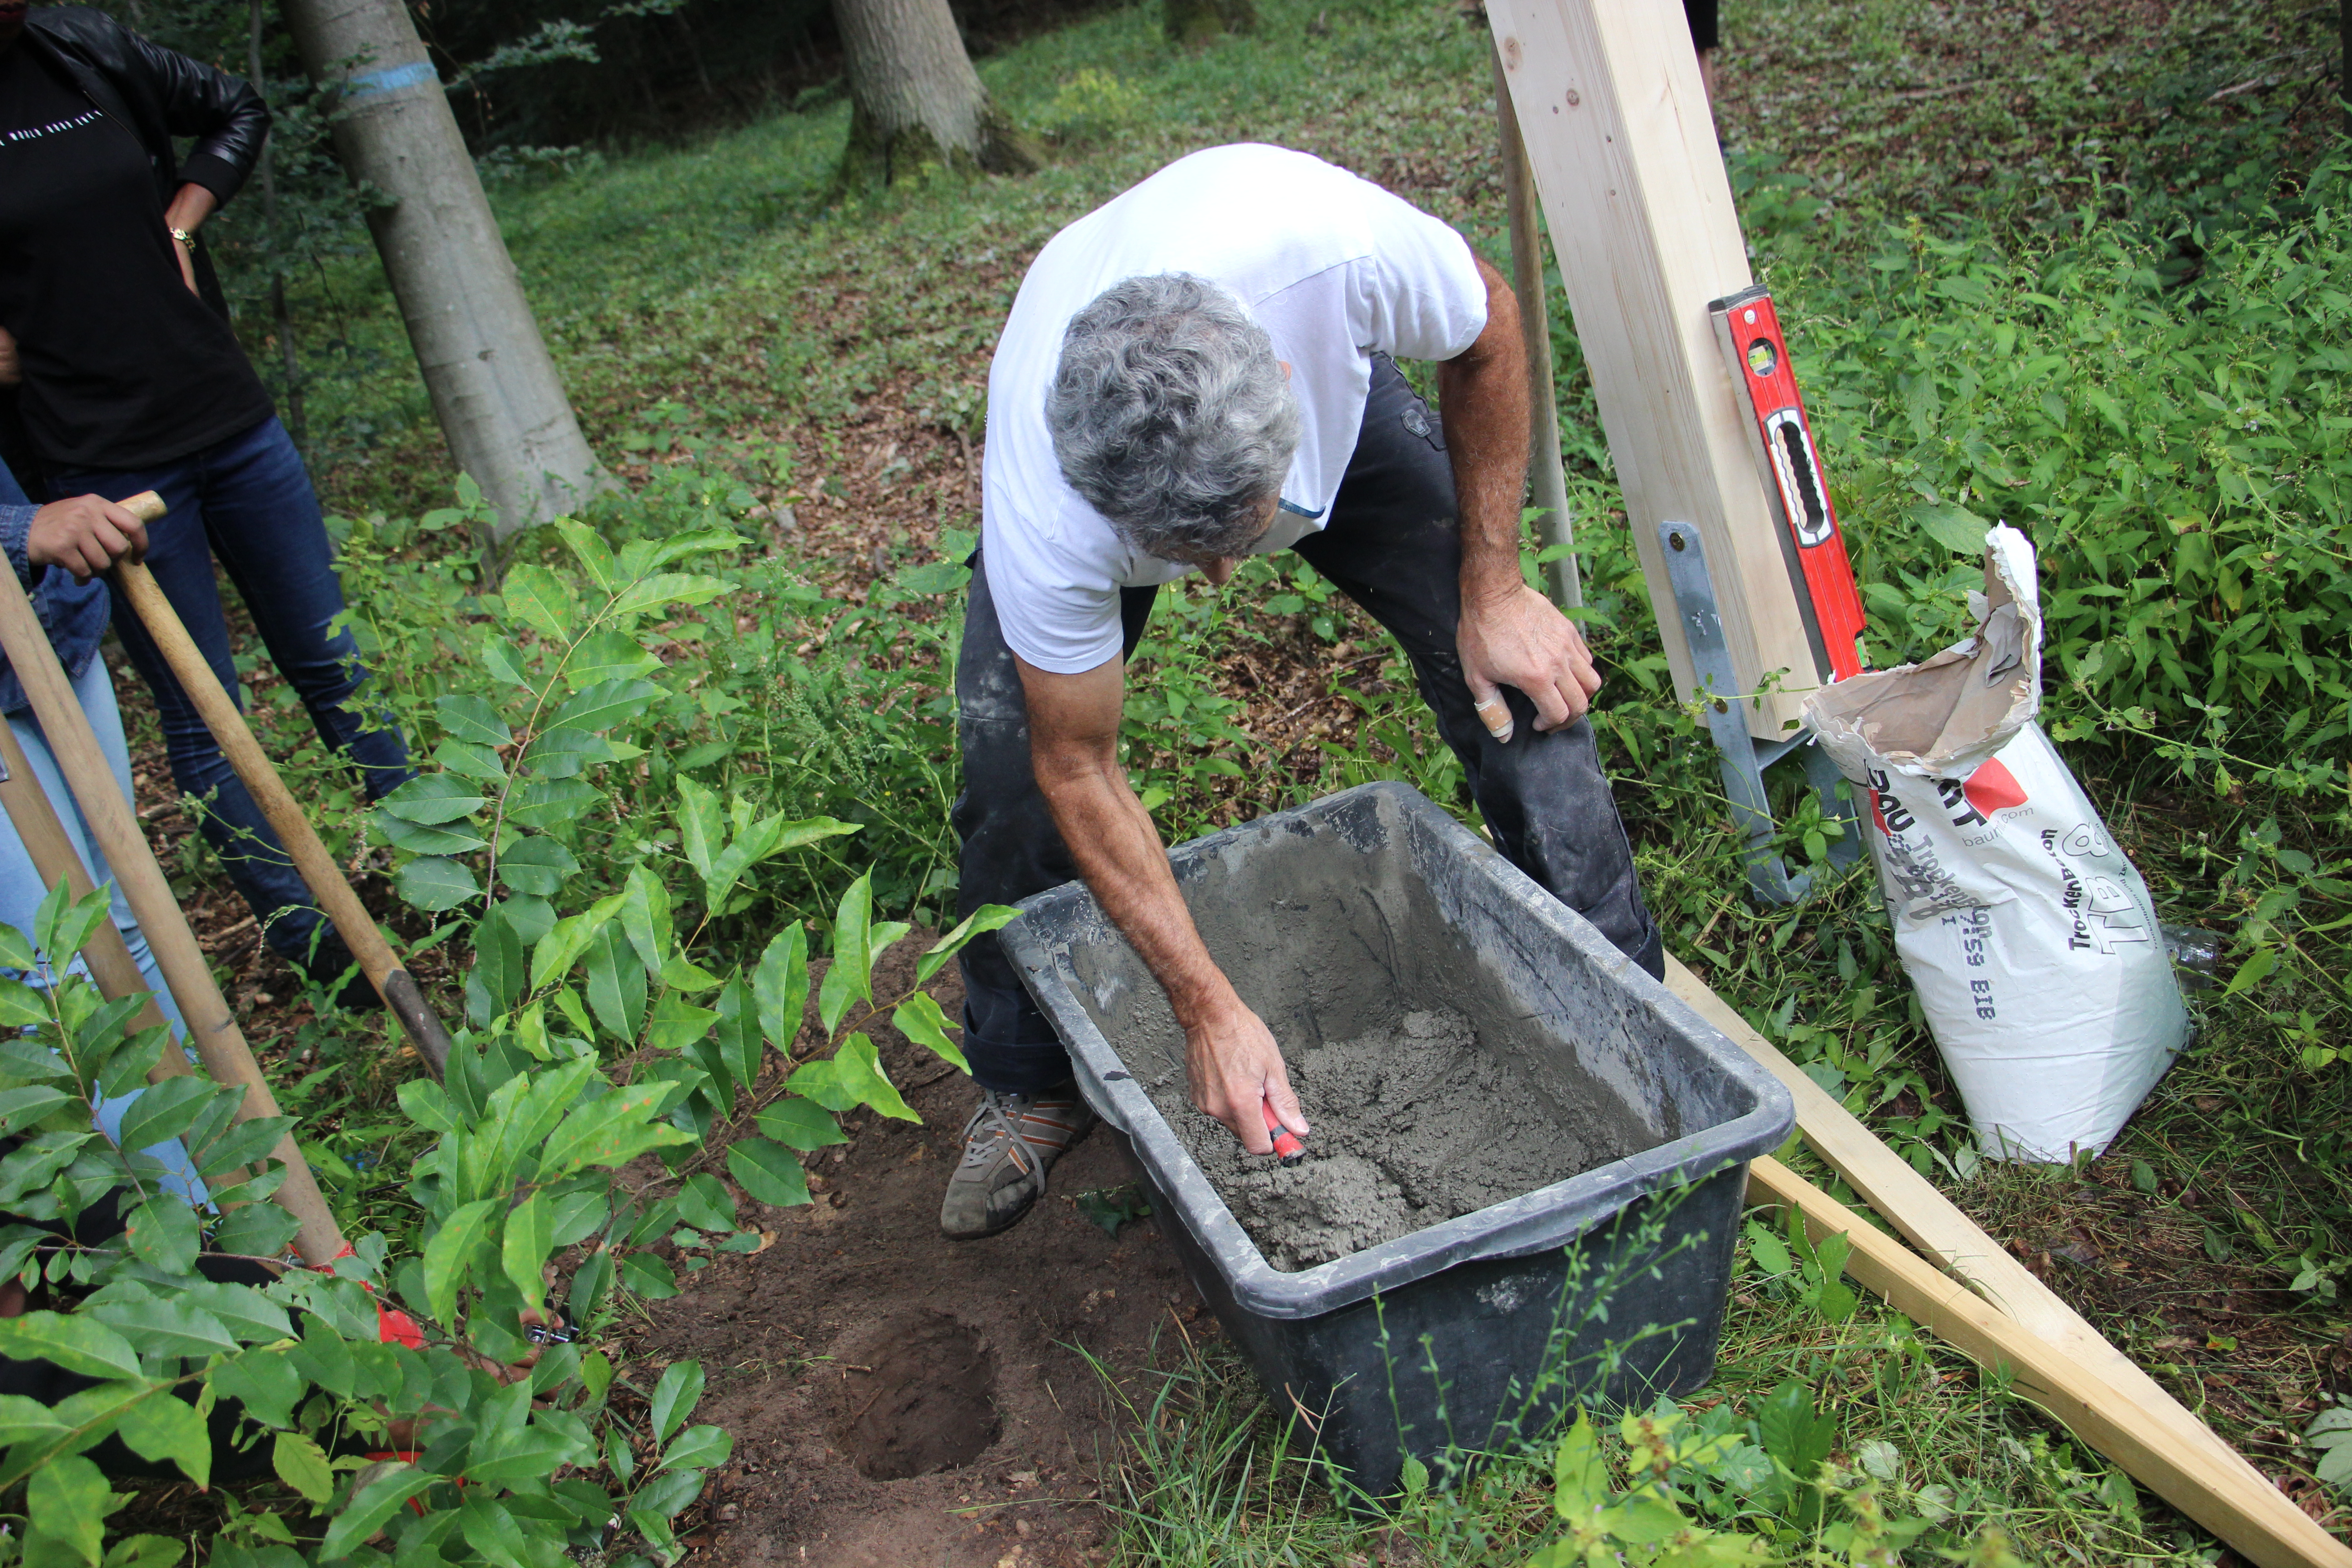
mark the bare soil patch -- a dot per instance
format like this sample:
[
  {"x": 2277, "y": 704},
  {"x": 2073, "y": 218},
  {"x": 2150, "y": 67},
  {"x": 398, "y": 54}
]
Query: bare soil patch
[{"x": 898, "y": 1399}]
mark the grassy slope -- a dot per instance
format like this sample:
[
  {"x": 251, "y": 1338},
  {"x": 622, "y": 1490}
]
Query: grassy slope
[{"x": 709, "y": 278}]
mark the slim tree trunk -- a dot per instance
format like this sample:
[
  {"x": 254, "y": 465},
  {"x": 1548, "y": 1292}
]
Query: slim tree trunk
[
  {"x": 494, "y": 388},
  {"x": 915, "y": 99},
  {"x": 281, "y": 319}
]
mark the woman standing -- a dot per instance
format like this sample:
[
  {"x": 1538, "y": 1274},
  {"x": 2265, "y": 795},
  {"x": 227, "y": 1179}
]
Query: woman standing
[{"x": 131, "y": 379}]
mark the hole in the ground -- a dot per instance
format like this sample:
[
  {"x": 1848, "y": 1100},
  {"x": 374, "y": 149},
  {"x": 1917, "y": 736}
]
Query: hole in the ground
[{"x": 926, "y": 1405}]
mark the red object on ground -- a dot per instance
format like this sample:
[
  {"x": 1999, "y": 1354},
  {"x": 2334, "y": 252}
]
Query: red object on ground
[
  {"x": 395, "y": 1327},
  {"x": 1286, "y": 1146},
  {"x": 392, "y": 1326},
  {"x": 1782, "y": 442}
]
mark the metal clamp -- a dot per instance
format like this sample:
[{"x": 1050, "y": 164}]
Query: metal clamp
[{"x": 1742, "y": 757}]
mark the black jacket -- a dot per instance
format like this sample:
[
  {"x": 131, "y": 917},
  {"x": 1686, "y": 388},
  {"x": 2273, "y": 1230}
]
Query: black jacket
[{"x": 157, "y": 94}]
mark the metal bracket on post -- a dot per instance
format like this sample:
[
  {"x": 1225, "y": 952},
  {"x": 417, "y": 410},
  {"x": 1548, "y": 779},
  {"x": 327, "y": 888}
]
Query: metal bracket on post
[{"x": 1743, "y": 757}]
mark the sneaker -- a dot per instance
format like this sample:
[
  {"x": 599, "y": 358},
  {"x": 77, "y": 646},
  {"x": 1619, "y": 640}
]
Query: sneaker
[{"x": 1009, "y": 1144}]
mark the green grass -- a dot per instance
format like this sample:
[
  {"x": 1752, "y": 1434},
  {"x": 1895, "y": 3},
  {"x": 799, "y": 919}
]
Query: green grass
[{"x": 1941, "y": 198}]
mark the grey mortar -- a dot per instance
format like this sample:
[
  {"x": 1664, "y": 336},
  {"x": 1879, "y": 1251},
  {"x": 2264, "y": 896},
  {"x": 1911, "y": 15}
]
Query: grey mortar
[
  {"x": 1334, "y": 949},
  {"x": 1413, "y": 1124}
]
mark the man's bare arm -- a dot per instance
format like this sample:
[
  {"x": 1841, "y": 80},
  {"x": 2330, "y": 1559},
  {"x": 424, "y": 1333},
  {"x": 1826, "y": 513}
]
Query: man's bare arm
[
  {"x": 1230, "y": 1055},
  {"x": 1511, "y": 635}
]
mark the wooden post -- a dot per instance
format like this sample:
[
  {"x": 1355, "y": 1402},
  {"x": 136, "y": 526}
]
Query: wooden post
[
  {"x": 2256, "y": 1518},
  {"x": 1547, "y": 482},
  {"x": 1622, "y": 145}
]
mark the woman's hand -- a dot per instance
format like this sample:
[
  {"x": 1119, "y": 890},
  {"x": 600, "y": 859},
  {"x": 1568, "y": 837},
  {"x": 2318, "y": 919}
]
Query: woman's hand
[
  {"x": 86, "y": 536},
  {"x": 186, "y": 215}
]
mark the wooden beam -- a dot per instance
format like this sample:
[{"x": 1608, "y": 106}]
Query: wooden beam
[
  {"x": 1952, "y": 1241},
  {"x": 2237, "y": 1505},
  {"x": 1622, "y": 144}
]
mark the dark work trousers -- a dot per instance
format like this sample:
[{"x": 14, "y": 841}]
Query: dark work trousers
[{"x": 1393, "y": 546}]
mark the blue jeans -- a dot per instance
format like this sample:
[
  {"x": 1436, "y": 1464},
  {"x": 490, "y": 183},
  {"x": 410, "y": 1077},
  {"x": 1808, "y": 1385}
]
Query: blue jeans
[
  {"x": 246, "y": 502},
  {"x": 21, "y": 889}
]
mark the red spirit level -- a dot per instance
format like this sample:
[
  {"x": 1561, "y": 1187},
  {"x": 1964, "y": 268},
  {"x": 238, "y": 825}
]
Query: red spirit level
[{"x": 1749, "y": 330}]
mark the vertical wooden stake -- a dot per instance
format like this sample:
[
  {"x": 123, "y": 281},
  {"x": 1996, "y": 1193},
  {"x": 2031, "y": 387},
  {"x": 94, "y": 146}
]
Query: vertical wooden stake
[
  {"x": 1546, "y": 482},
  {"x": 1622, "y": 146}
]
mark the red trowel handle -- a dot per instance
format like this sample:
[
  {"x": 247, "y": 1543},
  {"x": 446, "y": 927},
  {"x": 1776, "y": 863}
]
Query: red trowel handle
[{"x": 1286, "y": 1146}]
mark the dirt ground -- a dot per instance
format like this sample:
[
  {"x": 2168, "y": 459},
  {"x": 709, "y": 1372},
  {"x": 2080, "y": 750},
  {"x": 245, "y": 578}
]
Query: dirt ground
[{"x": 902, "y": 1401}]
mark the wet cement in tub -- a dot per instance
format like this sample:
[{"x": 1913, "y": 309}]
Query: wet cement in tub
[{"x": 1414, "y": 1125}]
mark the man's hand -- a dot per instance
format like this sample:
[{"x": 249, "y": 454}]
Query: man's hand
[
  {"x": 1230, "y": 1055},
  {"x": 1510, "y": 635},
  {"x": 12, "y": 369},
  {"x": 1231, "y": 1063},
  {"x": 86, "y": 536},
  {"x": 1519, "y": 639}
]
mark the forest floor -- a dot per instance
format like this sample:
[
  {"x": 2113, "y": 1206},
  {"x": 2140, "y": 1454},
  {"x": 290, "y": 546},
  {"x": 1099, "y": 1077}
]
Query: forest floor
[{"x": 709, "y": 308}]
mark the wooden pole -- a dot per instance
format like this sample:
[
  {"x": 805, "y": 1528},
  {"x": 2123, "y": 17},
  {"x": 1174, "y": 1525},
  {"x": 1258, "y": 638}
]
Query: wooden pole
[
  {"x": 2237, "y": 1505},
  {"x": 1953, "y": 1242},
  {"x": 35, "y": 818},
  {"x": 319, "y": 872},
  {"x": 212, "y": 1027},
  {"x": 1547, "y": 480},
  {"x": 1622, "y": 145}
]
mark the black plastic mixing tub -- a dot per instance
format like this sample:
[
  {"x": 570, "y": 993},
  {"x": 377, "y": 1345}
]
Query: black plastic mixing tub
[{"x": 1607, "y": 1286}]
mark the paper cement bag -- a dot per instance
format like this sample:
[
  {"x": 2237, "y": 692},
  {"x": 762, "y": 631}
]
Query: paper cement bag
[{"x": 2032, "y": 940}]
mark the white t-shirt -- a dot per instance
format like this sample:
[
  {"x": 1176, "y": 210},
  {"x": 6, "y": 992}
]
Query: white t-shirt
[{"x": 1334, "y": 268}]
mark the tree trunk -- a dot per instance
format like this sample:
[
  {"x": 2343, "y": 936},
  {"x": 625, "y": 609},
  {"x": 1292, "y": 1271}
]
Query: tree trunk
[
  {"x": 281, "y": 318},
  {"x": 914, "y": 101},
  {"x": 1189, "y": 23},
  {"x": 494, "y": 388}
]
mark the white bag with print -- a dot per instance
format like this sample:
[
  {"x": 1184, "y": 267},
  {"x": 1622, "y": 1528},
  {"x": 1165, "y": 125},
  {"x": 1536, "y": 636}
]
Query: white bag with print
[{"x": 2031, "y": 938}]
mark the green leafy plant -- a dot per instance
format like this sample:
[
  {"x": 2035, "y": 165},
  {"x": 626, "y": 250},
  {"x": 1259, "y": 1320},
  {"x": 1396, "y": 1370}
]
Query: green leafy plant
[
  {"x": 1811, "y": 1272},
  {"x": 2330, "y": 1432},
  {"x": 429, "y": 1441},
  {"x": 1771, "y": 1474}
]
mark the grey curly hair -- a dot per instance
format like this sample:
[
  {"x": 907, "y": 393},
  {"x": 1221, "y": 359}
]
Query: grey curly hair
[{"x": 1171, "y": 416}]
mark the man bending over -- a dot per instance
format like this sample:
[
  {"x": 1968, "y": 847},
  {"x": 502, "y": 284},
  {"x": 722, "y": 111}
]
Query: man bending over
[{"x": 1199, "y": 370}]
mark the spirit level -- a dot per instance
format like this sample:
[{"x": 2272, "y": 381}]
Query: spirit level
[{"x": 1782, "y": 442}]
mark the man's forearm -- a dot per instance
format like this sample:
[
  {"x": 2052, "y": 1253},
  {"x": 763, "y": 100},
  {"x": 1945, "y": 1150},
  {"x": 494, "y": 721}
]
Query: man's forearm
[
  {"x": 1119, "y": 854},
  {"x": 1483, "y": 405}
]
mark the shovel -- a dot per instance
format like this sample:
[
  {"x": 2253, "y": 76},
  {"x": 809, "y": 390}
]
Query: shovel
[{"x": 319, "y": 872}]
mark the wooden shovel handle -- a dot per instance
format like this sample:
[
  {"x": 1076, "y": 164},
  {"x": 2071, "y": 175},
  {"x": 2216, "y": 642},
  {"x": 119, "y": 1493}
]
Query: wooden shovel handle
[
  {"x": 43, "y": 834},
  {"x": 319, "y": 872}
]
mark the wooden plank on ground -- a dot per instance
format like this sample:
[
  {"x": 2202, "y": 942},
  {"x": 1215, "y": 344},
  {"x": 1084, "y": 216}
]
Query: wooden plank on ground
[
  {"x": 2237, "y": 1505},
  {"x": 1622, "y": 145},
  {"x": 1933, "y": 1223}
]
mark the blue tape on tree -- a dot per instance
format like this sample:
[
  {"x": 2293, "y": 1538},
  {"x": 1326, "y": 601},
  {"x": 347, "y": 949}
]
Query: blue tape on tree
[{"x": 392, "y": 79}]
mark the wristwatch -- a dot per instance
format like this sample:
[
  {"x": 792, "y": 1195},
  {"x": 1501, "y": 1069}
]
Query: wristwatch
[{"x": 188, "y": 241}]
